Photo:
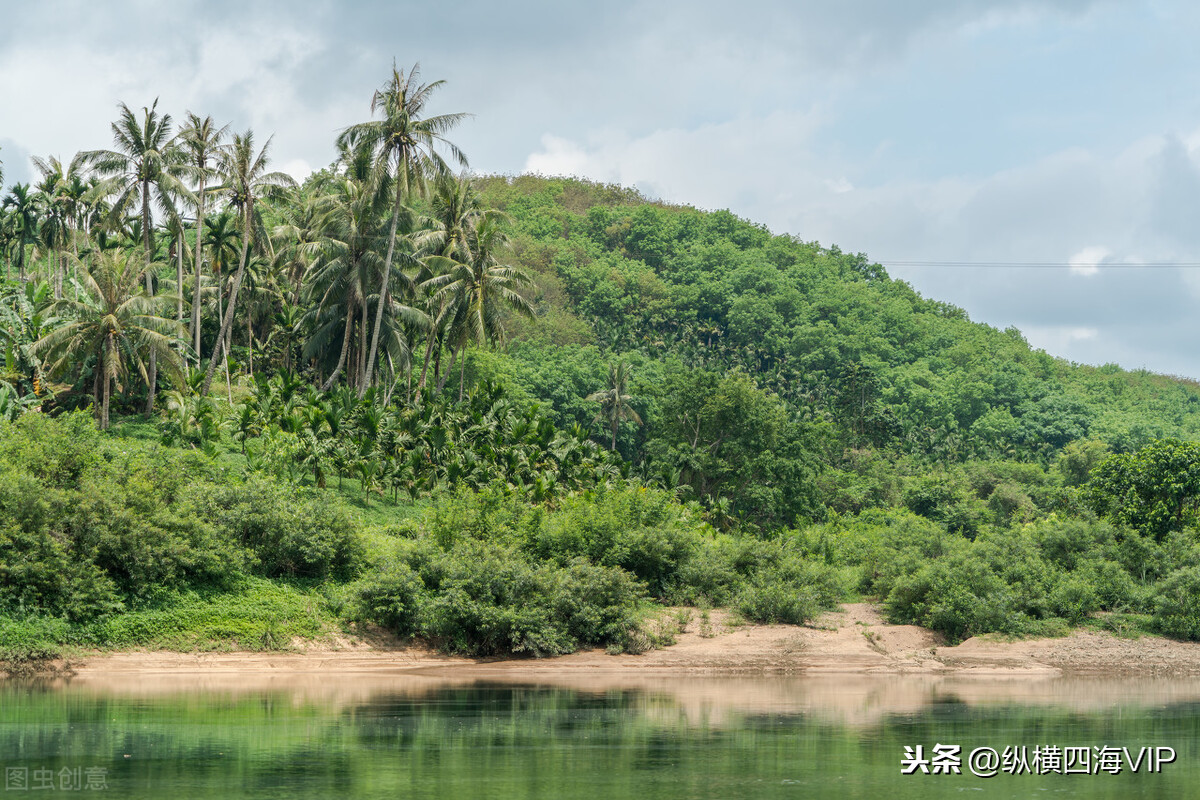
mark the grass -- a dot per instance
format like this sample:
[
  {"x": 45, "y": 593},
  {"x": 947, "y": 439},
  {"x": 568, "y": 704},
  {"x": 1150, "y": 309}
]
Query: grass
[{"x": 264, "y": 615}]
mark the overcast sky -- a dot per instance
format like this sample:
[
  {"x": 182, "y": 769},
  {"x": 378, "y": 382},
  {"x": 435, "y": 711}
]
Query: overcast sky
[{"x": 1047, "y": 131}]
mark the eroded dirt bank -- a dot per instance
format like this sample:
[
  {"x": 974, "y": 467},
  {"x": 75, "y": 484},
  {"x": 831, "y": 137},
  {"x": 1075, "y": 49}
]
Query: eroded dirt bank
[{"x": 854, "y": 640}]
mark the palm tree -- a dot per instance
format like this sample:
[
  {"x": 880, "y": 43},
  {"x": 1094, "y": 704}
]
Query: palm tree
[
  {"x": 201, "y": 140},
  {"x": 23, "y": 219},
  {"x": 62, "y": 190},
  {"x": 221, "y": 239},
  {"x": 297, "y": 241},
  {"x": 404, "y": 146},
  {"x": 615, "y": 400},
  {"x": 347, "y": 264},
  {"x": 479, "y": 289},
  {"x": 246, "y": 180},
  {"x": 146, "y": 166},
  {"x": 341, "y": 272},
  {"x": 116, "y": 321},
  {"x": 457, "y": 209}
]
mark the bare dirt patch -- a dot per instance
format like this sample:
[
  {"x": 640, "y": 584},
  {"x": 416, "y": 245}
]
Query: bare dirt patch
[{"x": 853, "y": 640}]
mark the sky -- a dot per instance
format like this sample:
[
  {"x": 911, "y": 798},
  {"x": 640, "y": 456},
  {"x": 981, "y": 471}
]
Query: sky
[{"x": 956, "y": 142}]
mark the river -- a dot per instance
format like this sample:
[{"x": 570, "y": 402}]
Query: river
[{"x": 601, "y": 735}]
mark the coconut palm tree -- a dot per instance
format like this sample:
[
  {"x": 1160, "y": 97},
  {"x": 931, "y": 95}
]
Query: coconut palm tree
[
  {"x": 246, "y": 180},
  {"x": 457, "y": 208},
  {"x": 116, "y": 321},
  {"x": 615, "y": 400},
  {"x": 62, "y": 190},
  {"x": 348, "y": 265},
  {"x": 221, "y": 240},
  {"x": 479, "y": 289},
  {"x": 201, "y": 140},
  {"x": 23, "y": 219},
  {"x": 145, "y": 168},
  {"x": 404, "y": 146}
]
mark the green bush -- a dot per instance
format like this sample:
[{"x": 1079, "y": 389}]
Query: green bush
[
  {"x": 290, "y": 535},
  {"x": 486, "y": 599},
  {"x": 958, "y": 596},
  {"x": 31, "y": 638},
  {"x": 259, "y": 616},
  {"x": 1074, "y": 599},
  {"x": 1177, "y": 605},
  {"x": 390, "y": 596}
]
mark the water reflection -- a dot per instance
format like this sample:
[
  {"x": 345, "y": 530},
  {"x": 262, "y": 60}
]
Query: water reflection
[{"x": 457, "y": 734}]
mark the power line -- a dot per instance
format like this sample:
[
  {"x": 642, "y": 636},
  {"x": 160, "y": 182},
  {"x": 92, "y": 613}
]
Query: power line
[{"x": 1038, "y": 265}]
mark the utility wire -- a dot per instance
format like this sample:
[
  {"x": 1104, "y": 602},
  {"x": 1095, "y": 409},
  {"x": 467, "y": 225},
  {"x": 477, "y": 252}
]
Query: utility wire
[{"x": 1037, "y": 265}]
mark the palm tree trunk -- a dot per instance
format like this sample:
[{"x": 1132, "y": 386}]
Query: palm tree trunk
[
  {"x": 445, "y": 376},
  {"x": 179, "y": 273},
  {"x": 104, "y": 382},
  {"x": 342, "y": 357},
  {"x": 428, "y": 352},
  {"x": 152, "y": 377},
  {"x": 385, "y": 282},
  {"x": 227, "y": 323},
  {"x": 199, "y": 261},
  {"x": 107, "y": 381},
  {"x": 361, "y": 380},
  {"x": 462, "y": 374}
]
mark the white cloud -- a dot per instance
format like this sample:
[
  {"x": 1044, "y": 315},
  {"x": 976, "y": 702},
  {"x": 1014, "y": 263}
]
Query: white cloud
[
  {"x": 1087, "y": 260},
  {"x": 1057, "y": 338}
]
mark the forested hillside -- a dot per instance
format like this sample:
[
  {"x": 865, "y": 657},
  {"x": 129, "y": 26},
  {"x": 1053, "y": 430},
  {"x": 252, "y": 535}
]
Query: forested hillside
[
  {"x": 525, "y": 414},
  {"x": 748, "y": 350}
]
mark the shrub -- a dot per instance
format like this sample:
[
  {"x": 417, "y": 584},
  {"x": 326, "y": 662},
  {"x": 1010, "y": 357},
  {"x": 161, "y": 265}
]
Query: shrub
[
  {"x": 289, "y": 535},
  {"x": 485, "y": 599},
  {"x": 31, "y": 638},
  {"x": 958, "y": 596},
  {"x": 1177, "y": 605},
  {"x": 390, "y": 596}
]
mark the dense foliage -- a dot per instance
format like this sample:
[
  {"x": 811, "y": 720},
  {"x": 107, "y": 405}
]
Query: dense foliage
[{"x": 603, "y": 400}]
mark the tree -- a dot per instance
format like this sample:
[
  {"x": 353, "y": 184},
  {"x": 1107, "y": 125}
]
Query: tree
[
  {"x": 23, "y": 220},
  {"x": 246, "y": 180},
  {"x": 144, "y": 168},
  {"x": 115, "y": 321},
  {"x": 404, "y": 146},
  {"x": 221, "y": 239},
  {"x": 480, "y": 289},
  {"x": 201, "y": 140},
  {"x": 62, "y": 190},
  {"x": 1155, "y": 490},
  {"x": 615, "y": 400},
  {"x": 457, "y": 209}
]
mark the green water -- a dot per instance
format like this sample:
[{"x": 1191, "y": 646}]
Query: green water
[{"x": 352, "y": 736}]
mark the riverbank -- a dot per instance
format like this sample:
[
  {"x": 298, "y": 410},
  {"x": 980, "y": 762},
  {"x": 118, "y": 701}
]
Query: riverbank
[{"x": 854, "y": 640}]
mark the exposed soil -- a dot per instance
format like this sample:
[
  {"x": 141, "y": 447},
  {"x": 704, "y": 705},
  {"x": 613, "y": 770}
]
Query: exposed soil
[{"x": 853, "y": 640}]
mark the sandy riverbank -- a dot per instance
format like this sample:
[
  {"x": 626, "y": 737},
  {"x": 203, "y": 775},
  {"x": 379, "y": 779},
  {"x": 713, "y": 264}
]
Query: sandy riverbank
[{"x": 853, "y": 641}]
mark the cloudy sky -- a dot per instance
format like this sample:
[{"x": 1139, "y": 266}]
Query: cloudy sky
[{"x": 953, "y": 141}]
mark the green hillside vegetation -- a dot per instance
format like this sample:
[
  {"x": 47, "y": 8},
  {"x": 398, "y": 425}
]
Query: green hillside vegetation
[{"x": 526, "y": 415}]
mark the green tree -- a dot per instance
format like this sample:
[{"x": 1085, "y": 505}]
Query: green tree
[
  {"x": 201, "y": 141},
  {"x": 1155, "y": 490},
  {"x": 145, "y": 169},
  {"x": 246, "y": 180},
  {"x": 480, "y": 289},
  {"x": 23, "y": 222},
  {"x": 62, "y": 189},
  {"x": 117, "y": 323},
  {"x": 615, "y": 400},
  {"x": 404, "y": 145}
]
